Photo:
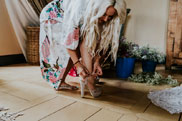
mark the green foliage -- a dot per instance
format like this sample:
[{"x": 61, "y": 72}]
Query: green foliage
[
  {"x": 153, "y": 79},
  {"x": 128, "y": 49},
  {"x": 152, "y": 54}
]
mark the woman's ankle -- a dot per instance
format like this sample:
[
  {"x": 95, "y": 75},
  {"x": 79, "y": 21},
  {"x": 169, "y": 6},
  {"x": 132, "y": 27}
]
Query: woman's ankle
[{"x": 91, "y": 83}]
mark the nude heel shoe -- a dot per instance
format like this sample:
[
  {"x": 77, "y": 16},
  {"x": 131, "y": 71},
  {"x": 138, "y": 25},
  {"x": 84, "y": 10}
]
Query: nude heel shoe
[
  {"x": 94, "y": 92},
  {"x": 82, "y": 86}
]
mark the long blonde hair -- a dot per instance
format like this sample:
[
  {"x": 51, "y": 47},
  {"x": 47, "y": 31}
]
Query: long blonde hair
[{"x": 111, "y": 31}]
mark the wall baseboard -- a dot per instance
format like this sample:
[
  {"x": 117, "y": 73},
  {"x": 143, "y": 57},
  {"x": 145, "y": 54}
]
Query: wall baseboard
[{"x": 12, "y": 59}]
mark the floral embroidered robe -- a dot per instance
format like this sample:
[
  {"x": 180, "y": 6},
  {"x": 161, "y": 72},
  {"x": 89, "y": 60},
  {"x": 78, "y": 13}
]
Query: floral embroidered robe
[{"x": 53, "y": 49}]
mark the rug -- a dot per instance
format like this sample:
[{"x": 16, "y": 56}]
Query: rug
[{"x": 6, "y": 116}]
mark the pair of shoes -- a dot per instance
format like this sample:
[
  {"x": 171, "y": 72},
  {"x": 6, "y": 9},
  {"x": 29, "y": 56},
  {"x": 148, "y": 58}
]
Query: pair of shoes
[{"x": 94, "y": 92}]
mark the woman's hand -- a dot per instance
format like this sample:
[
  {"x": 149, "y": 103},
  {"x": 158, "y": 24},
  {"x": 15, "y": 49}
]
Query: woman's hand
[
  {"x": 82, "y": 70},
  {"x": 97, "y": 69}
]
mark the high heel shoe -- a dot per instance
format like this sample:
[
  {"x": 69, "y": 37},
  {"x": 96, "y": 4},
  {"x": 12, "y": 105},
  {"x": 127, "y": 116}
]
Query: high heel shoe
[{"x": 94, "y": 92}]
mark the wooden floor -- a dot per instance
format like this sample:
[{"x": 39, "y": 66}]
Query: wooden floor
[{"x": 22, "y": 89}]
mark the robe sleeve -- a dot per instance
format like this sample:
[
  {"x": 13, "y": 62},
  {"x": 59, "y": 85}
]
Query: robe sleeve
[
  {"x": 73, "y": 13},
  {"x": 72, "y": 40}
]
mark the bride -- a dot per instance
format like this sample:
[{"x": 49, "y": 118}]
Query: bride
[{"x": 78, "y": 33}]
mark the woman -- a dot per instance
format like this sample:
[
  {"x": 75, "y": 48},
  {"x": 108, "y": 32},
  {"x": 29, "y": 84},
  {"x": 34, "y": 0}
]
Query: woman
[{"x": 77, "y": 33}]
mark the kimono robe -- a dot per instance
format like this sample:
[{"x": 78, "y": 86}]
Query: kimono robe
[{"x": 59, "y": 30}]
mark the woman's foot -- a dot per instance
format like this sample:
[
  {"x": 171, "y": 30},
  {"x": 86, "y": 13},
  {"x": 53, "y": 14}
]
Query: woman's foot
[
  {"x": 94, "y": 91},
  {"x": 65, "y": 86},
  {"x": 90, "y": 82}
]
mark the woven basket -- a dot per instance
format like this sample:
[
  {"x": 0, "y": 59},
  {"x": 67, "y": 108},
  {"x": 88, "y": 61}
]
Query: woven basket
[{"x": 33, "y": 45}]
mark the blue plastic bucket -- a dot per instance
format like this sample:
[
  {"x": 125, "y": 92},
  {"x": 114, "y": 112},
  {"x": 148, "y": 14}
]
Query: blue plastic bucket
[
  {"x": 148, "y": 66},
  {"x": 125, "y": 67}
]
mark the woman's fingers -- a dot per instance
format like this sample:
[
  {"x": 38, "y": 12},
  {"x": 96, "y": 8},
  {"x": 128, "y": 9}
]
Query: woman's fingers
[
  {"x": 100, "y": 71},
  {"x": 97, "y": 70},
  {"x": 82, "y": 71},
  {"x": 83, "y": 74}
]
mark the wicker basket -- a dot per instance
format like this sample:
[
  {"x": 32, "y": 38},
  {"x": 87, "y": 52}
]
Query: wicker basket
[{"x": 33, "y": 45}]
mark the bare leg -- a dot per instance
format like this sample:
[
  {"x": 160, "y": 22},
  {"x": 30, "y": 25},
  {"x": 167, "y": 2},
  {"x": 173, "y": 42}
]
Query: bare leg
[
  {"x": 87, "y": 61},
  {"x": 63, "y": 83},
  {"x": 69, "y": 66}
]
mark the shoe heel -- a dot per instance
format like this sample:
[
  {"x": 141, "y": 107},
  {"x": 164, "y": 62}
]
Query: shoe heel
[{"x": 82, "y": 85}]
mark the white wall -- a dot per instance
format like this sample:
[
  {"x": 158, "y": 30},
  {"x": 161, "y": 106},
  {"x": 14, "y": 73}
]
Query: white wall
[
  {"x": 147, "y": 23},
  {"x": 8, "y": 41}
]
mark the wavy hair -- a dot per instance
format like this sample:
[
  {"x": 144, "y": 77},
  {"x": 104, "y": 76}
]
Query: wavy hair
[{"x": 111, "y": 30}]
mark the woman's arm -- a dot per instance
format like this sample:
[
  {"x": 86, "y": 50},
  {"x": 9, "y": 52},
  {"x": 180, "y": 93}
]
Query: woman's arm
[
  {"x": 99, "y": 58},
  {"x": 97, "y": 67},
  {"x": 82, "y": 70},
  {"x": 73, "y": 54}
]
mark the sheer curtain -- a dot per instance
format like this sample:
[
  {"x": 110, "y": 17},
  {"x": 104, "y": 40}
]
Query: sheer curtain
[{"x": 21, "y": 15}]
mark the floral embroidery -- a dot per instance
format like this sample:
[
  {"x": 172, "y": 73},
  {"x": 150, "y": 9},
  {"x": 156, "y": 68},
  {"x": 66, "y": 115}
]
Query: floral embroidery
[
  {"x": 74, "y": 36},
  {"x": 45, "y": 48},
  {"x": 54, "y": 58},
  {"x": 52, "y": 14},
  {"x": 53, "y": 73},
  {"x": 55, "y": 10},
  {"x": 52, "y": 78}
]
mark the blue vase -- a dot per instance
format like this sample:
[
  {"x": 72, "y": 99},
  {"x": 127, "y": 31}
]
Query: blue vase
[
  {"x": 148, "y": 66},
  {"x": 124, "y": 67}
]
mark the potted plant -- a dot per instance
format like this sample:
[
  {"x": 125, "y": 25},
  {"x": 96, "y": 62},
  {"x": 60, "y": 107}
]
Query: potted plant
[
  {"x": 127, "y": 53},
  {"x": 150, "y": 57}
]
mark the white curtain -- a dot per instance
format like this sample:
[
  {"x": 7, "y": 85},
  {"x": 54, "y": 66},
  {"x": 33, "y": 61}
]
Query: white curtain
[{"x": 21, "y": 14}]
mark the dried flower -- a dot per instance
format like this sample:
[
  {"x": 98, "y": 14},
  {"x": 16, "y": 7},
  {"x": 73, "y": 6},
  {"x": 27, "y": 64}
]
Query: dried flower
[
  {"x": 153, "y": 79},
  {"x": 128, "y": 49},
  {"x": 152, "y": 54}
]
